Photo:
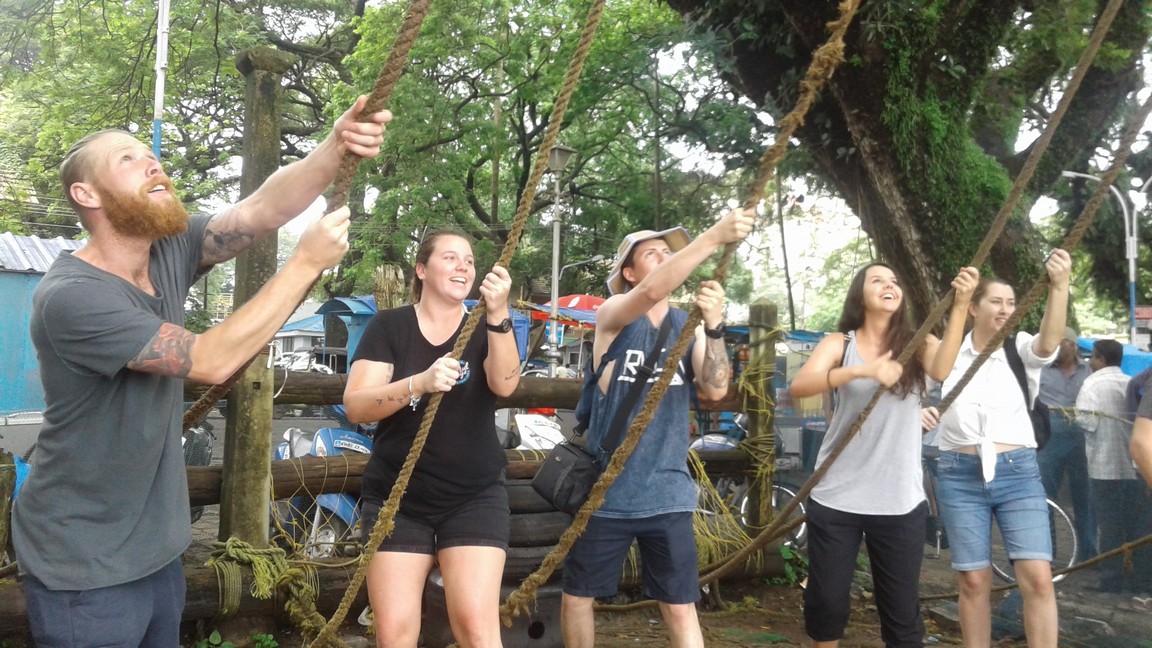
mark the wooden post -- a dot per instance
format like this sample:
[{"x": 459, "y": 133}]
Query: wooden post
[
  {"x": 248, "y": 441},
  {"x": 761, "y": 406}
]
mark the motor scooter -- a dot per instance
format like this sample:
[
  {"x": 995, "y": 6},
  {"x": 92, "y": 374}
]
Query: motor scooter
[{"x": 326, "y": 524}]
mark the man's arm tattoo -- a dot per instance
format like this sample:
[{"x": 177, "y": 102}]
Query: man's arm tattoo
[
  {"x": 168, "y": 353},
  {"x": 716, "y": 370},
  {"x": 225, "y": 238},
  {"x": 512, "y": 375}
]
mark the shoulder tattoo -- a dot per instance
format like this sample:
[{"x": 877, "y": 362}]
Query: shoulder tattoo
[{"x": 168, "y": 353}]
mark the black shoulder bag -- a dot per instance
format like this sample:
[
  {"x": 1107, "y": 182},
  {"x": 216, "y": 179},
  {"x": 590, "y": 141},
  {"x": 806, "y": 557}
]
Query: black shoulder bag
[
  {"x": 566, "y": 477},
  {"x": 1037, "y": 409}
]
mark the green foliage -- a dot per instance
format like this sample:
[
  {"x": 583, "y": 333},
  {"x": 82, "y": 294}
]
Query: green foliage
[
  {"x": 197, "y": 321},
  {"x": 215, "y": 640},
  {"x": 960, "y": 185},
  {"x": 795, "y": 567},
  {"x": 264, "y": 641},
  {"x": 471, "y": 118}
]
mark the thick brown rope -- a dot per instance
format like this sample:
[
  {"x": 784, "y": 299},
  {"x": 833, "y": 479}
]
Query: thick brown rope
[
  {"x": 772, "y": 531},
  {"x": 824, "y": 62},
  {"x": 385, "y": 522},
  {"x": 381, "y": 92}
]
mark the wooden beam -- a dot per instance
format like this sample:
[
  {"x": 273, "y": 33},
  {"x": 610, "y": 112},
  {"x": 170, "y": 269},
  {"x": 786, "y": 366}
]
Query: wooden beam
[{"x": 306, "y": 388}]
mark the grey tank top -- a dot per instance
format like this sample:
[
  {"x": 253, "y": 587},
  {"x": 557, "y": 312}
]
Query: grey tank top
[{"x": 879, "y": 472}]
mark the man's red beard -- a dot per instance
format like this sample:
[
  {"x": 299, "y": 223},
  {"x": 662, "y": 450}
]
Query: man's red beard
[{"x": 139, "y": 216}]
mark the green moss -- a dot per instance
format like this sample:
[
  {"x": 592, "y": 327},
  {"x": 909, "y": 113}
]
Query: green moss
[{"x": 960, "y": 186}]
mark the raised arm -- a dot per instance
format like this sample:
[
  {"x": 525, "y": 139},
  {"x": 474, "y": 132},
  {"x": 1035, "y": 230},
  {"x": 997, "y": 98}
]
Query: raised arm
[
  {"x": 938, "y": 357},
  {"x": 213, "y": 356},
  {"x": 503, "y": 362},
  {"x": 623, "y": 309},
  {"x": 709, "y": 358},
  {"x": 1059, "y": 267},
  {"x": 293, "y": 188}
]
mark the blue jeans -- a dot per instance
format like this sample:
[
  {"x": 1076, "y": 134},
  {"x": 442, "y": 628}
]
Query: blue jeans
[
  {"x": 1124, "y": 509},
  {"x": 144, "y": 612},
  {"x": 1015, "y": 498},
  {"x": 1064, "y": 454}
]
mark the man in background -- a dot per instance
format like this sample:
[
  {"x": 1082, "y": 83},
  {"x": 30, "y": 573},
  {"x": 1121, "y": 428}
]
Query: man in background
[
  {"x": 1119, "y": 497},
  {"x": 1060, "y": 383}
]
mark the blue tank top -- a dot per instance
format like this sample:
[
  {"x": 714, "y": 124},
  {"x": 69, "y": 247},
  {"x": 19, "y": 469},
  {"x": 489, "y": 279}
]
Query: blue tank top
[
  {"x": 879, "y": 472},
  {"x": 655, "y": 480}
]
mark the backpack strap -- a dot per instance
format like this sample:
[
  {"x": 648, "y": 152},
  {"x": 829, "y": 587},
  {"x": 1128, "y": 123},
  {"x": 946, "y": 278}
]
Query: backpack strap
[
  {"x": 643, "y": 374},
  {"x": 1017, "y": 365}
]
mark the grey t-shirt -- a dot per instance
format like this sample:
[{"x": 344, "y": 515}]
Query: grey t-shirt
[
  {"x": 879, "y": 472},
  {"x": 1145, "y": 409},
  {"x": 106, "y": 501}
]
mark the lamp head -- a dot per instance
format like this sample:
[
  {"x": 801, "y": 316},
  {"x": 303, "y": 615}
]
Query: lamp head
[{"x": 559, "y": 157}]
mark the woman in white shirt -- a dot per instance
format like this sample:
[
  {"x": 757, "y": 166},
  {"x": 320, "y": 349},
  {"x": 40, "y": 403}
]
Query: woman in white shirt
[{"x": 988, "y": 467}]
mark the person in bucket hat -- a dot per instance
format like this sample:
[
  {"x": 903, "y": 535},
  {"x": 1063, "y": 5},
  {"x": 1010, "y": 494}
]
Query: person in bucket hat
[
  {"x": 653, "y": 499},
  {"x": 676, "y": 239}
]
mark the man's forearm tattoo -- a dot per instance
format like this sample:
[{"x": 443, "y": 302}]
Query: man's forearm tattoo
[
  {"x": 716, "y": 369},
  {"x": 168, "y": 353},
  {"x": 512, "y": 375}
]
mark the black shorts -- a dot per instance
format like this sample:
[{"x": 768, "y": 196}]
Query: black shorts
[{"x": 482, "y": 521}]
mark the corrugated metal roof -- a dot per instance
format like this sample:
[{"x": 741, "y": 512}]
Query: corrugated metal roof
[{"x": 31, "y": 253}]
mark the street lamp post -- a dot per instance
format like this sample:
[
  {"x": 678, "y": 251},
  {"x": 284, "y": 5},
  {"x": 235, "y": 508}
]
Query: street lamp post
[
  {"x": 558, "y": 158},
  {"x": 1130, "y": 248}
]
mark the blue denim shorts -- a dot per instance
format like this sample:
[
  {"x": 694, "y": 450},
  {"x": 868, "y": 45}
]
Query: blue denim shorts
[
  {"x": 1015, "y": 499},
  {"x": 668, "y": 560}
]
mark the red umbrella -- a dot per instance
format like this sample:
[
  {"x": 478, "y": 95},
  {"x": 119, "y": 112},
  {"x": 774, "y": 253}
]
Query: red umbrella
[{"x": 581, "y": 302}]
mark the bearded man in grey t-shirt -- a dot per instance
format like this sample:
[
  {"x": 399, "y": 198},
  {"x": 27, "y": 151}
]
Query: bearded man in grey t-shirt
[{"x": 103, "y": 517}]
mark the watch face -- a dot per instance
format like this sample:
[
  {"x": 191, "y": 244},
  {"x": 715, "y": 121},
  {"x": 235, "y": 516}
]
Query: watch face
[{"x": 503, "y": 327}]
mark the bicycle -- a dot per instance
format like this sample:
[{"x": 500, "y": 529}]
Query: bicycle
[
  {"x": 1064, "y": 540},
  {"x": 733, "y": 491}
]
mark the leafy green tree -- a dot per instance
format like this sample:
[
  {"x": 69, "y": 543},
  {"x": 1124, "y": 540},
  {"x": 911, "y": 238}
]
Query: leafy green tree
[
  {"x": 925, "y": 124},
  {"x": 471, "y": 110}
]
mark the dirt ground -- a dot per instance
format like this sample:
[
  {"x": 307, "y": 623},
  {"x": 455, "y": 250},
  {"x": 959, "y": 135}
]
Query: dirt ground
[{"x": 759, "y": 613}]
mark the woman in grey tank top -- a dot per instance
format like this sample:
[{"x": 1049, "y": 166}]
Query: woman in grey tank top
[{"x": 873, "y": 491}]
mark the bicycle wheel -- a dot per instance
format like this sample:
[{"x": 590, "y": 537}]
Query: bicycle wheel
[
  {"x": 782, "y": 495},
  {"x": 1064, "y": 545}
]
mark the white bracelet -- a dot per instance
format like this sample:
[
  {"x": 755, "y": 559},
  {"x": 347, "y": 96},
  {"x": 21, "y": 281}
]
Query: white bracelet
[{"x": 413, "y": 399}]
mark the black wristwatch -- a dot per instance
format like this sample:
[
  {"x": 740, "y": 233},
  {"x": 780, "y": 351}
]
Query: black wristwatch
[
  {"x": 716, "y": 333},
  {"x": 504, "y": 326}
]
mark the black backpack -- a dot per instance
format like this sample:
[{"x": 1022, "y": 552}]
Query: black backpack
[{"x": 1037, "y": 409}]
